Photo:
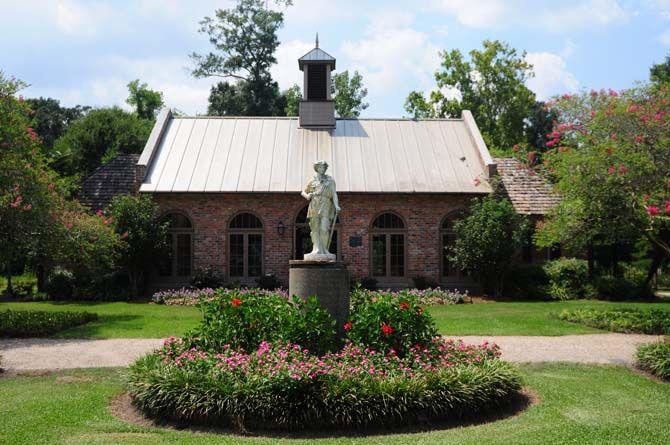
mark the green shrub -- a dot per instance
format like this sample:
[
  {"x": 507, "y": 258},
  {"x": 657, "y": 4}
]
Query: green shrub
[
  {"x": 631, "y": 285},
  {"x": 655, "y": 358},
  {"x": 390, "y": 321},
  {"x": 206, "y": 278},
  {"x": 60, "y": 284},
  {"x": 40, "y": 323},
  {"x": 425, "y": 297},
  {"x": 568, "y": 278},
  {"x": 245, "y": 318},
  {"x": 282, "y": 386},
  {"x": 655, "y": 321},
  {"x": 526, "y": 281}
]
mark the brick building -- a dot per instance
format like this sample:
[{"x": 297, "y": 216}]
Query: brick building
[{"x": 230, "y": 187}]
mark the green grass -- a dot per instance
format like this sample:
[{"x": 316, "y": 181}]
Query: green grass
[
  {"x": 120, "y": 319},
  {"x": 26, "y": 278},
  {"x": 142, "y": 320},
  {"x": 521, "y": 318},
  {"x": 578, "y": 404}
]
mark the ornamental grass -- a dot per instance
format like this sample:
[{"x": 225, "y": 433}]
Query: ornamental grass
[
  {"x": 655, "y": 358},
  {"x": 282, "y": 385},
  {"x": 655, "y": 321}
]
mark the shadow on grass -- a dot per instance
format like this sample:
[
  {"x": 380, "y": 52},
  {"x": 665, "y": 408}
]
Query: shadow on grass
[{"x": 123, "y": 409}]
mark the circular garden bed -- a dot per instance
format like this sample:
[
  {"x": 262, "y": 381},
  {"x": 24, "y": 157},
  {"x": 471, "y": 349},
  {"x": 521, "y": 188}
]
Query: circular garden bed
[{"x": 391, "y": 370}]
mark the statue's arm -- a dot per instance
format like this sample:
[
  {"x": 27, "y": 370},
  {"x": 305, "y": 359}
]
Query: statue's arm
[
  {"x": 307, "y": 193},
  {"x": 335, "y": 200}
]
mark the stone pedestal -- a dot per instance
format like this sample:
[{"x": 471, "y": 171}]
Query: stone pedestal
[{"x": 329, "y": 281}]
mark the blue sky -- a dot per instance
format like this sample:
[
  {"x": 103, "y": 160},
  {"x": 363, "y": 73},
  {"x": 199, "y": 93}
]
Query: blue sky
[{"x": 85, "y": 52}]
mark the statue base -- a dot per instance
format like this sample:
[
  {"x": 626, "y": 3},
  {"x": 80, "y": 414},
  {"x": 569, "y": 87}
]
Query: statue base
[
  {"x": 320, "y": 257},
  {"x": 328, "y": 280}
]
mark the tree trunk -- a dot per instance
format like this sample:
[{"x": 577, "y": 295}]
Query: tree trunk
[
  {"x": 656, "y": 262},
  {"x": 10, "y": 288}
]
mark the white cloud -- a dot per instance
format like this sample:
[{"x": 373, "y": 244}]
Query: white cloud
[
  {"x": 586, "y": 15},
  {"x": 392, "y": 55},
  {"x": 475, "y": 13},
  {"x": 286, "y": 71},
  {"x": 76, "y": 18},
  {"x": 664, "y": 37},
  {"x": 109, "y": 87},
  {"x": 662, "y": 7},
  {"x": 551, "y": 75}
]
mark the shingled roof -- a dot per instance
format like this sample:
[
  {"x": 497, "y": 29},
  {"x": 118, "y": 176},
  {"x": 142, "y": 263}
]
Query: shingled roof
[
  {"x": 114, "y": 178},
  {"x": 530, "y": 193}
]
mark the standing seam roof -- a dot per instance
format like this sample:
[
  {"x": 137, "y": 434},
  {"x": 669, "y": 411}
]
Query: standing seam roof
[{"x": 206, "y": 154}]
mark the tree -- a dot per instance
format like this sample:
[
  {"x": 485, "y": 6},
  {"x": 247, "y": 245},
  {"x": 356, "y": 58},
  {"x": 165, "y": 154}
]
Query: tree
[
  {"x": 610, "y": 159},
  {"x": 487, "y": 239},
  {"x": 245, "y": 39},
  {"x": 227, "y": 99},
  {"x": 348, "y": 94},
  {"x": 146, "y": 102},
  {"x": 136, "y": 220},
  {"x": 293, "y": 97},
  {"x": 50, "y": 119},
  {"x": 29, "y": 189},
  {"x": 100, "y": 135},
  {"x": 491, "y": 85},
  {"x": 660, "y": 73}
]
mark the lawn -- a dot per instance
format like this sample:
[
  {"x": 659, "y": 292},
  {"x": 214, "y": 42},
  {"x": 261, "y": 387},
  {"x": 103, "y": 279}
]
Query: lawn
[
  {"x": 142, "y": 320},
  {"x": 578, "y": 404},
  {"x": 120, "y": 319}
]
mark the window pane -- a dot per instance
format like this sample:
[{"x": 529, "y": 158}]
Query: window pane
[
  {"x": 397, "y": 255},
  {"x": 183, "y": 254},
  {"x": 379, "y": 255},
  {"x": 165, "y": 263},
  {"x": 255, "y": 251},
  {"x": 236, "y": 255},
  {"x": 246, "y": 221},
  {"x": 448, "y": 240},
  {"x": 388, "y": 221}
]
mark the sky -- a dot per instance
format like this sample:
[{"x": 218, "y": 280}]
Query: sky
[{"x": 85, "y": 52}]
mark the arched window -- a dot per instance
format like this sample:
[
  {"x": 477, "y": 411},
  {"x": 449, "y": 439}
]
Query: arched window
[
  {"x": 245, "y": 246},
  {"x": 179, "y": 260},
  {"x": 387, "y": 236},
  {"x": 303, "y": 240},
  {"x": 447, "y": 239}
]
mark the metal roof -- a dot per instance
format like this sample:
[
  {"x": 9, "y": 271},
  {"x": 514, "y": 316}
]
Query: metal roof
[
  {"x": 209, "y": 154},
  {"x": 316, "y": 55}
]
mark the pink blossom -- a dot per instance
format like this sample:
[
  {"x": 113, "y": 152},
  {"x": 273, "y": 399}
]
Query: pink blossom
[
  {"x": 611, "y": 170},
  {"x": 639, "y": 139},
  {"x": 666, "y": 208},
  {"x": 652, "y": 210},
  {"x": 623, "y": 169},
  {"x": 17, "y": 202},
  {"x": 633, "y": 108}
]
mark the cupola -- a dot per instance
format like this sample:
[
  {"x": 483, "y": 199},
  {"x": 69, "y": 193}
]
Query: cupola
[{"x": 317, "y": 109}]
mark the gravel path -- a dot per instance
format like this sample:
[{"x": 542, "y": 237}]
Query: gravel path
[{"x": 50, "y": 354}]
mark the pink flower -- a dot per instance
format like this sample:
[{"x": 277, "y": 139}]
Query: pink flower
[
  {"x": 348, "y": 325},
  {"x": 611, "y": 170},
  {"x": 653, "y": 210},
  {"x": 622, "y": 169},
  {"x": 667, "y": 207},
  {"x": 645, "y": 197},
  {"x": 28, "y": 207},
  {"x": 17, "y": 202},
  {"x": 639, "y": 139},
  {"x": 633, "y": 108}
]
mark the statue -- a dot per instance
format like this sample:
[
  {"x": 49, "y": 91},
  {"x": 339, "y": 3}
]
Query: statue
[{"x": 322, "y": 212}]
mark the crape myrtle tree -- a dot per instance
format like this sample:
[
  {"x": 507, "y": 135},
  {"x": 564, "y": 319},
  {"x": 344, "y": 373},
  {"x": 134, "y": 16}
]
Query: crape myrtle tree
[
  {"x": 487, "y": 240},
  {"x": 491, "y": 84},
  {"x": 144, "y": 236},
  {"x": 245, "y": 40},
  {"x": 610, "y": 159},
  {"x": 37, "y": 222}
]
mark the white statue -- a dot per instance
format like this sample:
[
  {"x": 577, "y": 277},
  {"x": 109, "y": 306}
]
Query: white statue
[{"x": 322, "y": 212}]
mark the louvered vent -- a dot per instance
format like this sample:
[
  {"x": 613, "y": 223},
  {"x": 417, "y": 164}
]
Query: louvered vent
[{"x": 316, "y": 82}]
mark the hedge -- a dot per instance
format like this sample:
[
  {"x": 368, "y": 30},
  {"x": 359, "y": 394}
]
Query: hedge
[{"x": 40, "y": 323}]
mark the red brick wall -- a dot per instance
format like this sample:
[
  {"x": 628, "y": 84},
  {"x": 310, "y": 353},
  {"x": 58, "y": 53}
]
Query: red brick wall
[{"x": 211, "y": 213}]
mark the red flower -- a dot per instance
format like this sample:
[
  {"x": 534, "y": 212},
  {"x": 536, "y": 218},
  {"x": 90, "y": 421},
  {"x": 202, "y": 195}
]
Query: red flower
[
  {"x": 235, "y": 302},
  {"x": 404, "y": 305},
  {"x": 653, "y": 210},
  {"x": 639, "y": 139},
  {"x": 611, "y": 170},
  {"x": 387, "y": 329},
  {"x": 667, "y": 207},
  {"x": 347, "y": 326},
  {"x": 622, "y": 169}
]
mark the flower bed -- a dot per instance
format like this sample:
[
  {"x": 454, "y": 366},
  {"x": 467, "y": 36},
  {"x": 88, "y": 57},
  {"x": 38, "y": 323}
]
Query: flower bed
[
  {"x": 191, "y": 297},
  {"x": 425, "y": 297},
  {"x": 654, "y": 321},
  {"x": 40, "y": 323},
  {"x": 281, "y": 385},
  {"x": 655, "y": 358}
]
